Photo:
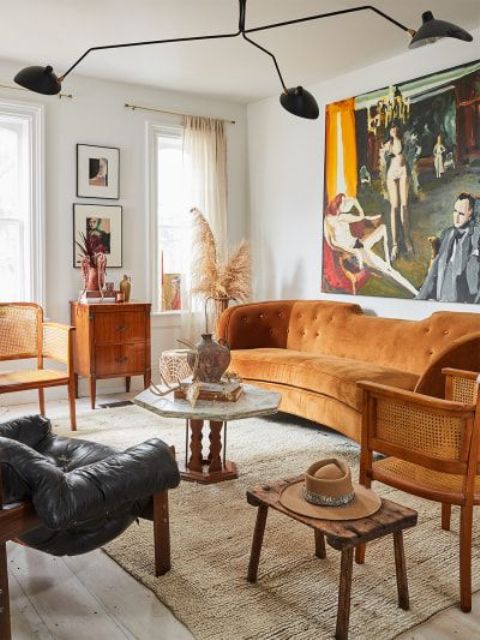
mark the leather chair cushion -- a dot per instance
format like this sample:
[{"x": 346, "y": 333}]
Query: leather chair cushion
[{"x": 325, "y": 374}]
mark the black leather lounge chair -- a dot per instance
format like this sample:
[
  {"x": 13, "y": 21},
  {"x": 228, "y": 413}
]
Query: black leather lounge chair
[{"x": 67, "y": 496}]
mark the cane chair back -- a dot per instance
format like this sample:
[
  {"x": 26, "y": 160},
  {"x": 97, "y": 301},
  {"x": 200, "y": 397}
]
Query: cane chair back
[
  {"x": 20, "y": 330},
  {"x": 55, "y": 342},
  {"x": 426, "y": 431},
  {"x": 461, "y": 386}
]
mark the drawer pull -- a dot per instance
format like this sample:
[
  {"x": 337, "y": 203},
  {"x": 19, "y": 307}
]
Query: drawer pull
[
  {"x": 122, "y": 359},
  {"x": 120, "y": 327}
]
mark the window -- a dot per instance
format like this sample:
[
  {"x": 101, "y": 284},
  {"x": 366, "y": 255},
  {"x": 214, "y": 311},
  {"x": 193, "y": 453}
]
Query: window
[
  {"x": 21, "y": 228},
  {"x": 170, "y": 222}
]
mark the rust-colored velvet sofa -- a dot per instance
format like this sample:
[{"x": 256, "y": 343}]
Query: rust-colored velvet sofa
[{"x": 314, "y": 352}]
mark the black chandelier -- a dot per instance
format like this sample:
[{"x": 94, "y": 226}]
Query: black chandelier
[{"x": 296, "y": 100}]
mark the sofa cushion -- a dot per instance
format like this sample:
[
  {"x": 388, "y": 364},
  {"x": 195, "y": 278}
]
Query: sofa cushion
[{"x": 325, "y": 374}]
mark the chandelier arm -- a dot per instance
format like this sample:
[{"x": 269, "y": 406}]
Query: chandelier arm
[
  {"x": 318, "y": 16},
  {"x": 146, "y": 42},
  {"x": 255, "y": 44}
]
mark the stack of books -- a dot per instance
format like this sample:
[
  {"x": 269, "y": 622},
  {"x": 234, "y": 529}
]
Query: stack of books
[
  {"x": 93, "y": 297},
  {"x": 221, "y": 392}
]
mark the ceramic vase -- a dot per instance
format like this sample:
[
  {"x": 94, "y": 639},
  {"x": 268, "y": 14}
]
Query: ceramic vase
[
  {"x": 210, "y": 360},
  {"x": 92, "y": 280}
]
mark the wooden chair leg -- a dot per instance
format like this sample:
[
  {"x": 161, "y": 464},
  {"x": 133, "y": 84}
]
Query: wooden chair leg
[
  {"x": 401, "y": 571},
  {"x": 71, "y": 399},
  {"x": 466, "y": 517},
  {"x": 257, "y": 543},
  {"x": 161, "y": 533},
  {"x": 41, "y": 402},
  {"x": 446, "y": 515},
  {"x": 344, "y": 591},
  {"x": 5, "y": 626}
]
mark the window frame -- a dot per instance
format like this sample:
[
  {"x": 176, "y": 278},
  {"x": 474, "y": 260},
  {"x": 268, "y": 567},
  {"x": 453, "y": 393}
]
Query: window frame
[
  {"x": 156, "y": 130},
  {"x": 35, "y": 115}
]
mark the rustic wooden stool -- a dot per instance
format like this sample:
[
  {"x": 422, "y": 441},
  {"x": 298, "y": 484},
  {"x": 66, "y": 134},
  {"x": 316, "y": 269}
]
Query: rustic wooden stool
[{"x": 341, "y": 535}]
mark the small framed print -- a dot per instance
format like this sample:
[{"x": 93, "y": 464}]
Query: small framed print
[
  {"x": 98, "y": 172},
  {"x": 102, "y": 225}
]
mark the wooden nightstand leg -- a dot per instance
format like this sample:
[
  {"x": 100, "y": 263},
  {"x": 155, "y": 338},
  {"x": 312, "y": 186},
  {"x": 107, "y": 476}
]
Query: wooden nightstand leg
[
  {"x": 320, "y": 551},
  {"x": 127, "y": 384},
  {"x": 401, "y": 570},
  {"x": 344, "y": 591},
  {"x": 161, "y": 533},
  {"x": 147, "y": 378},
  {"x": 257, "y": 543},
  {"x": 75, "y": 377},
  {"x": 5, "y": 628},
  {"x": 93, "y": 391}
]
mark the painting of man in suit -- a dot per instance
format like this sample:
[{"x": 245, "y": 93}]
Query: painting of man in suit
[{"x": 454, "y": 275}]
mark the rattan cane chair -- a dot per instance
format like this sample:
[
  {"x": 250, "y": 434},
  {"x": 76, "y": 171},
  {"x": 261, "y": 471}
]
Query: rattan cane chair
[
  {"x": 431, "y": 446},
  {"x": 24, "y": 335}
]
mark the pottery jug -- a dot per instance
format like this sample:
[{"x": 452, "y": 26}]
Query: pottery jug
[{"x": 211, "y": 359}]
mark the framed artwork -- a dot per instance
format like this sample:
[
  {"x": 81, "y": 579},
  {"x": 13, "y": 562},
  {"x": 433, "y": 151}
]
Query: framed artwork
[
  {"x": 98, "y": 172},
  {"x": 401, "y": 212},
  {"x": 102, "y": 225},
  {"x": 171, "y": 287}
]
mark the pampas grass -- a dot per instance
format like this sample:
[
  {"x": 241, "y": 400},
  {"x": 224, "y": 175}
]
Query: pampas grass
[{"x": 210, "y": 278}]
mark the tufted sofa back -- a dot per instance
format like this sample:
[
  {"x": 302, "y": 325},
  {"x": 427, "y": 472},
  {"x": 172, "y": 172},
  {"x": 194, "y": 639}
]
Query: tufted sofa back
[{"x": 342, "y": 329}]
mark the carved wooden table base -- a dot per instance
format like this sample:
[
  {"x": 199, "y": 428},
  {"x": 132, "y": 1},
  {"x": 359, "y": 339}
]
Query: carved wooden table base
[{"x": 214, "y": 468}]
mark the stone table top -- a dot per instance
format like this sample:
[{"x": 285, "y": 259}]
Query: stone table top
[{"x": 252, "y": 402}]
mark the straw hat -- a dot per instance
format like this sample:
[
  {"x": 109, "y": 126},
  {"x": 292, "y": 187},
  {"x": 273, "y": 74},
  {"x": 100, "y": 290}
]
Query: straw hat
[{"x": 327, "y": 493}]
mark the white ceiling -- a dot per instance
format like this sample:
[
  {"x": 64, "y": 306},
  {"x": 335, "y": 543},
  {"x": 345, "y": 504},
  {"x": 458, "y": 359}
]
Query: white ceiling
[{"x": 59, "y": 31}]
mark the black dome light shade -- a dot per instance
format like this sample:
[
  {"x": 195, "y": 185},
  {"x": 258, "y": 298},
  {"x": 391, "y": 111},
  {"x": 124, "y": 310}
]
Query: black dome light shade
[
  {"x": 300, "y": 102},
  {"x": 433, "y": 29},
  {"x": 39, "y": 79}
]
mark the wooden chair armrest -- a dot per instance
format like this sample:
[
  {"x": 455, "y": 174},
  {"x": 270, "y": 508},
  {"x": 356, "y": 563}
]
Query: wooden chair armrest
[
  {"x": 58, "y": 326},
  {"x": 417, "y": 399},
  {"x": 17, "y": 519},
  {"x": 460, "y": 373}
]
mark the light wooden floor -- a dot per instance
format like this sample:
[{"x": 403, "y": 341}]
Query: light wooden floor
[{"x": 90, "y": 597}]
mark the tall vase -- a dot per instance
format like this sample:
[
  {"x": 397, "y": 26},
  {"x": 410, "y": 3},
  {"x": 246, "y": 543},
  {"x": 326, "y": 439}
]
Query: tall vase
[
  {"x": 92, "y": 280},
  {"x": 212, "y": 316}
]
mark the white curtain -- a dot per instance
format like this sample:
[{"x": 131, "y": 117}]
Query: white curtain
[{"x": 205, "y": 159}]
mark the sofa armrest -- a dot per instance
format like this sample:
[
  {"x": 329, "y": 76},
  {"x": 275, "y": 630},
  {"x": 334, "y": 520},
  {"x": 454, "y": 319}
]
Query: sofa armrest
[
  {"x": 463, "y": 353},
  {"x": 256, "y": 324}
]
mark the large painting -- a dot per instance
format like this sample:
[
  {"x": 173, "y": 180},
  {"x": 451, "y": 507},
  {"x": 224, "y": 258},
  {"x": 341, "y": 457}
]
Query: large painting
[{"x": 402, "y": 190}]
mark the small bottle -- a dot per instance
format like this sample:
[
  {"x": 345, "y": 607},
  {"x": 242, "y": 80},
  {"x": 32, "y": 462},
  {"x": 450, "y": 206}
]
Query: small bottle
[{"x": 125, "y": 287}]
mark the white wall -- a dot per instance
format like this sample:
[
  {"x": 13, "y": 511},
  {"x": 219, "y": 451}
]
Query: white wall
[
  {"x": 96, "y": 115},
  {"x": 286, "y": 173}
]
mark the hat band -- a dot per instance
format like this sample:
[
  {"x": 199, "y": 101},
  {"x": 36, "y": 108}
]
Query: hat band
[{"x": 328, "y": 501}]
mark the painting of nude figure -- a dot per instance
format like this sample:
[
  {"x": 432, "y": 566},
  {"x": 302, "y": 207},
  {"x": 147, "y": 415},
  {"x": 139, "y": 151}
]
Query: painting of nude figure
[{"x": 401, "y": 212}]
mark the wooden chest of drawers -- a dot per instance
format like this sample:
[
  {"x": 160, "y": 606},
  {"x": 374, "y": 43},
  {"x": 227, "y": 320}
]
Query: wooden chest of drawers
[{"x": 111, "y": 341}]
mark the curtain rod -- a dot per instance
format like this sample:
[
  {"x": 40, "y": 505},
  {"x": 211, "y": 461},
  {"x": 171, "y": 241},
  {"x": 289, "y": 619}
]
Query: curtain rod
[
  {"x": 133, "y": 107},
  {"x": 11, "y": 86}
]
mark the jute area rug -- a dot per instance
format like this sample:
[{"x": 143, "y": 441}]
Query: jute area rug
[{"x": 296, "y": 594}]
